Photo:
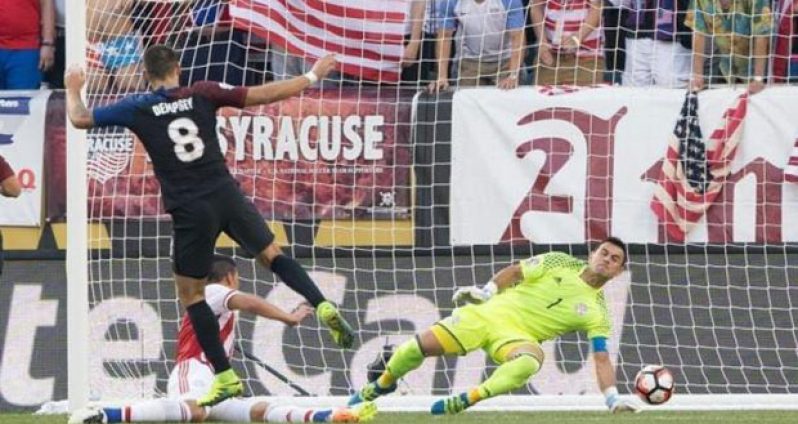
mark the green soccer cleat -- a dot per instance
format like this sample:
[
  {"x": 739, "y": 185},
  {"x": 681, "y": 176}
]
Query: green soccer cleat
[
  {"x": 359, "y": 414},
  {"x": 340, "y": 330},
  {"x": 369, "y": 392},
  {"x": 450, "y": 405},
  {"x": 225, "y": 386}
]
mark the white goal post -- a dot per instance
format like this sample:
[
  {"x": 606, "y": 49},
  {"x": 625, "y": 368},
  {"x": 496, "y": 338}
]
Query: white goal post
[
  {"x": 397, "y": 214},
  {"x": 77, "y": 266}
]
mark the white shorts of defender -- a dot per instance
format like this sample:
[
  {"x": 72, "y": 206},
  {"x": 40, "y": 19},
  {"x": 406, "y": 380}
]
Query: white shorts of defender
[{"x": 190, "y": 380}]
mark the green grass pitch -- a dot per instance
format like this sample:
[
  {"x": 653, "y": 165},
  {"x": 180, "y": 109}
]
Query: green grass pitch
[{"x": 725, "y": 417}]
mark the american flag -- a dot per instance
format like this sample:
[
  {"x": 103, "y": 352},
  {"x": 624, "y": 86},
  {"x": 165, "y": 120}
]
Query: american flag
[
  {"x": 693, "y": 170},
  {"x": 366, "y": 35}
]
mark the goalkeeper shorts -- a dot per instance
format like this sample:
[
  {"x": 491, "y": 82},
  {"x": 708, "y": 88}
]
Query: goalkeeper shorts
[{"x": 467, "y": 330}]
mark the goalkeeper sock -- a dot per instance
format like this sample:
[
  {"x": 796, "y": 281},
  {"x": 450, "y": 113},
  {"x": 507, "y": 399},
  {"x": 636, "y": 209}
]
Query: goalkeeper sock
[
  {"x": 407, "y": 357},
  {"x": 293, "y": 275},
  {"x": 206, "y": 327},
  {"x": 509, "y": 376},
  {"x": 157, "y": 410}
]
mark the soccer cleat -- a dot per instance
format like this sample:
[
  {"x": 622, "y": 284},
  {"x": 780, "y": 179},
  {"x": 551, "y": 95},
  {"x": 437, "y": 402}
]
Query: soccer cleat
[
  {"x": 450, "y": 405},
  {"x": 340, "y": 330},
  {"x": 225, "y": 385},
  {"x": 369, "y": 392},
  {"x": 88, "y": 416},
  {"x": 359, "y": 414}
]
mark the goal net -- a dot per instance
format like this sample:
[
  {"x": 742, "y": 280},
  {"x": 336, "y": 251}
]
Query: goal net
[{"x": 393, "y": 197}]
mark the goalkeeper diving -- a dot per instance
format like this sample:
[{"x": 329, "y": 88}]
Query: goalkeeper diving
[{"x": 525, "y": 304}]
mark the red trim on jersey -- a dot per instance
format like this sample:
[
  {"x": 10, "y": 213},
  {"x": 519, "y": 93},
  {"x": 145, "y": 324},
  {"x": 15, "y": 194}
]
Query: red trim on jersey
[
  {"x": 183, "y": 377},
  {"x": 227, "y": 297},
  {"x": 308, "y": 415},
  {"x": 126, "y": 414}
]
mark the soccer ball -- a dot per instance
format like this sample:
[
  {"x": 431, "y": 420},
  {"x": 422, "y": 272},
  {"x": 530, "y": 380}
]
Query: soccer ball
[{"x": 654, "y": 384}]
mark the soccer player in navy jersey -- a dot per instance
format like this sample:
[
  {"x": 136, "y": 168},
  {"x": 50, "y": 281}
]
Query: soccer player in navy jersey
[{"x": 177, "y": 126}]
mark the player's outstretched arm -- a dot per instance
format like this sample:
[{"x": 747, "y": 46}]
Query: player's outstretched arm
[
  {"x": 507, "y": 277},
  {"x": 256, "y": 305},
  {"x": 79, "y": 115},
  {"x": 605, "y": 376},
  {"x": 280, "y": 90}
]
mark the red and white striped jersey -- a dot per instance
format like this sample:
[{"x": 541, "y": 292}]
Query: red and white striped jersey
[
  {"x": 217, "y": 297},
  {"x": 564, "y": 18}
]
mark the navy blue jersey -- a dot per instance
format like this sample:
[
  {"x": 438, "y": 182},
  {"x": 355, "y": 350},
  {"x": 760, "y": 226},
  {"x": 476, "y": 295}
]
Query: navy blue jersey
[{"x": 178, "y": 129}]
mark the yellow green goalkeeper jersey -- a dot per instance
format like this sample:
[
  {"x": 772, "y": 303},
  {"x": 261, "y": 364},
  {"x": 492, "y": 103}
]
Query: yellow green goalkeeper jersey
[{"x": 551, "y": 300}]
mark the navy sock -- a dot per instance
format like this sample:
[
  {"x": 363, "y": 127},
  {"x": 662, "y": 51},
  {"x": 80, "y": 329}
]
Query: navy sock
[
  {"x": 321, "y": 415},
  {"x": 206, "y": 327},
  {"x": 114, "y": 415},
  {"x": 292, "y": 273}
]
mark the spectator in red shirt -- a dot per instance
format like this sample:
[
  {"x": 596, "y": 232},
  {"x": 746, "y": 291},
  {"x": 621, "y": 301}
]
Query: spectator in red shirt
[
  {"x": 27, "y": 42},
  {"x": 9, "y": 187}
]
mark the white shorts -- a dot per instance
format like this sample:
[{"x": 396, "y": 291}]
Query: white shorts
[
  {"x": 656, "y": 63},
  {"x": 190, "y": 380}
]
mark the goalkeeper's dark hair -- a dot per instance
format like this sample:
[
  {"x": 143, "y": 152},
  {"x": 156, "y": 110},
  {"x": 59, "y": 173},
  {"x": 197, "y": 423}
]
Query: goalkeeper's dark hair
[
  {"x": 160, "y": 61},
  {"x": 221, "y": 267},
  {"x": 618, "y": 242}
]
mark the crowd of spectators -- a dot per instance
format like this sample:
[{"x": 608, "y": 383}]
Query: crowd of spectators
[{"x": 448, "y": 43}]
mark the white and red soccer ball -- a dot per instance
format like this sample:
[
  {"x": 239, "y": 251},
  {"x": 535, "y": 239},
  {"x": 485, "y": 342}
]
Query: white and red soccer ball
[{"x": 654, "y": 384}]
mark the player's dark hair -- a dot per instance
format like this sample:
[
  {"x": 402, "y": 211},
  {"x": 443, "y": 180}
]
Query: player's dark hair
[
  {"x": 160, "y": 61},
  {"x": 221, "y": 267},
  {"x": 618, "y": 242}
]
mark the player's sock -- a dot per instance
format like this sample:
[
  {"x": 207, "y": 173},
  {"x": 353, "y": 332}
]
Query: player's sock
[
  {"x": 293, "y": 414},
  {"x": 292, "y": 273},
  {"x": 156, "y": 410},
  {"x": 206, "y": 327},
  {"x": 408, "y": 356},
  {"x": 509, "y": 376},
  {"x": 233, "y": 410}
]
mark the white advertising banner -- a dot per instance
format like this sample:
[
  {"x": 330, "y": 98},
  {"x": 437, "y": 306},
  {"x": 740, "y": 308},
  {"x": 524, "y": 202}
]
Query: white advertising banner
[
  {"x": 570, "y": 167},
  {"x": 22, "y": 116}
]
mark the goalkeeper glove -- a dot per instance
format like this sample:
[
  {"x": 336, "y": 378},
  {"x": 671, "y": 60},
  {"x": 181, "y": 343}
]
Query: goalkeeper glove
[
  {"x": 474, "y": 294},
  {"x": 617, "y": 405}
]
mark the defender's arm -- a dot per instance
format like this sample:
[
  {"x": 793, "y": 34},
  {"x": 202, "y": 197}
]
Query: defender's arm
[{"x": 258, "y": 306}]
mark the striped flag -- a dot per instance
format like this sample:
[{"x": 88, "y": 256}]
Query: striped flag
[
  {"x": 791, "y": 170},
  {"x": 366, "y": 35},
  {"x": 693, "y": 171}
]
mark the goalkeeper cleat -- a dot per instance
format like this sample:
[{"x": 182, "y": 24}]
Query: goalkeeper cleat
[
  {"x": 225, "y": 386},
  {"x": 340, "y": 330},
  {"x": 88, "y": 416},
  {"x": 450, "y": 405},
  {"x": 369, "y": 392},
  {"x": 359, "y": 414}
]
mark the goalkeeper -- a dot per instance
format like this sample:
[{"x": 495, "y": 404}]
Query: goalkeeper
[{"x": 524, "y": 305}]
